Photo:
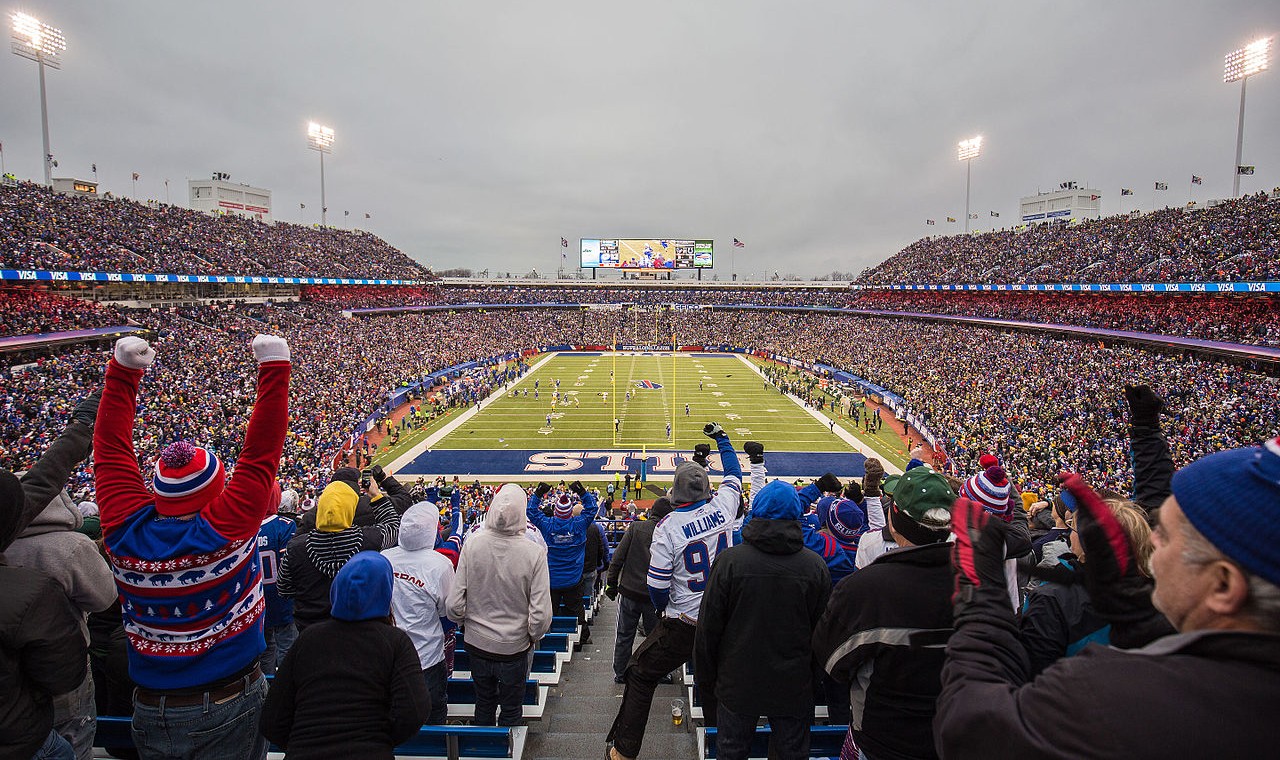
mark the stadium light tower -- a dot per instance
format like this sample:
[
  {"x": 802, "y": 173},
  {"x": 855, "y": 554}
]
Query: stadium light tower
[
  {"x": 1239, "y": 66},
  {"x": 39, "y": 42},
  {"x": 320, "y": 139},
  {"x": 966, "y": 151}
]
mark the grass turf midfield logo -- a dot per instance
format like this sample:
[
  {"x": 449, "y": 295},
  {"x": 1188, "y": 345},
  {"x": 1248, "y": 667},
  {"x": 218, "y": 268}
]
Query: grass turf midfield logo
[{"x": 648, "y": 385}]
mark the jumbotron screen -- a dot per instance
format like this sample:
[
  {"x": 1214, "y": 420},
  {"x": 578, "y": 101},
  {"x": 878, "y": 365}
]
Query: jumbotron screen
[{"x": 646, "y": 254}]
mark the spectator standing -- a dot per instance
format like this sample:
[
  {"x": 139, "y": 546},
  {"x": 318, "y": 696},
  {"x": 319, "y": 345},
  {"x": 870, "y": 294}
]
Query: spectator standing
[
  {"x": 186, "y": 564},
  {"x": 501, "y": 596},
  {"x": 684, "y": 547},
  {"x": 1208, "y": 629},
  {"x": 351, "y": 686},
  {"x": 52, "y": 542},
  {"x": 313, "y": 560},
  {"x": 883, "y": 630},
  {"x": 565, "y": 533},
  {"x": 423, "y": 579},
  {"x": 627, "y": 575},
  {"x": 595, "y": 560},
  {"x": 753, "y": 648},
  {"x": 278, "y": 629}
]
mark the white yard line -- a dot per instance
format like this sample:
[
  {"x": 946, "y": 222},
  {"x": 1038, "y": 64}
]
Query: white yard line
[
  {"x": 457, "y": 422},
  {"x": 845, "y": 435}
]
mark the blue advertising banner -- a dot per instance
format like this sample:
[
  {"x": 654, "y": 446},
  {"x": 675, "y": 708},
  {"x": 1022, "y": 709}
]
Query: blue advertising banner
[
  {"x": 659, "y": 465},
  {"x": 41, "y": 275}
]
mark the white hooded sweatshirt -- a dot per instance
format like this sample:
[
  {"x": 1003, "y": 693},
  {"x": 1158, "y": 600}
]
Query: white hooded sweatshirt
[
  {"x": 502, "y": 591},
  {"x": 423, "y": 579}
]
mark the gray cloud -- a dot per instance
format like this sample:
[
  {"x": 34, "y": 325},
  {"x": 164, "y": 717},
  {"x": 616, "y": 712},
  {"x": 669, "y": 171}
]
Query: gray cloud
[{"x": 821, "y": 133}]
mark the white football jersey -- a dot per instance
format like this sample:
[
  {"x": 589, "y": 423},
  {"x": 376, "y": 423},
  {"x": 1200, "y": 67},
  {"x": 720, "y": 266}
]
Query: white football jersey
[{"x": 685, "y": 544}]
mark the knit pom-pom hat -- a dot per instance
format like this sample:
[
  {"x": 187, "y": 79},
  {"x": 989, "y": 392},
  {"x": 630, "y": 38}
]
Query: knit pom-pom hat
[
  {"x": 186, "y": 478},
  {"x": 564, "y": 506},
  {"x": 990, "y": 488}
]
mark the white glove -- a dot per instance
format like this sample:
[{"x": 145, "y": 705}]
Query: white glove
[
  {"x": 270, "y": 348},
  {"x": 134, "y": 353}
]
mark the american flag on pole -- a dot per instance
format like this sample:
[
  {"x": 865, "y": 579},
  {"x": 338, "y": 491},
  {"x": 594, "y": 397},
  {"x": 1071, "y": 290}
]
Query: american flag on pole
[
  {"x": 738, "y": 243},
  {"x": 1196, "y": 180},
  {"x": 564, "y": 243},
  {"x": 1162, "y": 185}
]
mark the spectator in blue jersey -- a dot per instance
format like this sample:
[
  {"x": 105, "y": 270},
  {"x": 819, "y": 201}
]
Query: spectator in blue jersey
[
  {"x": 685, "y": 544},
  {"x": 186, "y": 563},
  {"x": 753, "y": 651},
  {"x": 423, "y": 579},
  {"x": 278, "y": 629},
  {"x": 565, "y": 532},
  {"x": 351, "y": 686}
]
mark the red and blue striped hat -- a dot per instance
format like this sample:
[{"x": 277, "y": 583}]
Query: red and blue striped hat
[{"x": 186, "y": 478}]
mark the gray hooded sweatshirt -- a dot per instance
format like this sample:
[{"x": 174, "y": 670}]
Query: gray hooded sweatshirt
[{"x": 501, "y": 593}]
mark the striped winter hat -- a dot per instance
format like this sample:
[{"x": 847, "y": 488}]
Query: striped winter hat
[
  {"x": 187, "y": 477},
  {"x": 564, "y": 506},
  {"x": 990, "y": 488}
]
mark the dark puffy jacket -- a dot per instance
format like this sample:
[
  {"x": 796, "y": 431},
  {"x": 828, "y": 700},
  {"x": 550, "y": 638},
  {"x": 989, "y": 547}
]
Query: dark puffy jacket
[
  {"x": 753, "y": 648},
  {"x": 1200, "y": 694},
  {"x": 596, "y": 556},
  {"x": 42, "y": 653},
  {"x": 1058, "y": 619},
  {"x": 888, "y": 622}
]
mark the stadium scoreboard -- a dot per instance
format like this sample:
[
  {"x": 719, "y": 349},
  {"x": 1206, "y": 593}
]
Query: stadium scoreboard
[{"x": 658, "y": 253}]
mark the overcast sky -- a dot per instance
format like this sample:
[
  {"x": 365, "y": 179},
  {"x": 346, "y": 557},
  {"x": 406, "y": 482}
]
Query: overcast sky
[{"x": 822, "y": 134}]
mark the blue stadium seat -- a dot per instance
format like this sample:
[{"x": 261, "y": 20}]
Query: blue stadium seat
[{"x": 824, "y": 742}]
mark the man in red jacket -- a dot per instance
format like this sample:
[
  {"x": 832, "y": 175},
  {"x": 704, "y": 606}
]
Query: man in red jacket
[{"x": 186, "y": 563}]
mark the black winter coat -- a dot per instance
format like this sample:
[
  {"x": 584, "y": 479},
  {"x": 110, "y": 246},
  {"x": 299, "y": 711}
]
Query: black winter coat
[
  {"x": 891, "y": 618},
  {"x": 347, "y": 690},
  {"x": 752, "y": 650},
  {"x": 629, "y": 568}
]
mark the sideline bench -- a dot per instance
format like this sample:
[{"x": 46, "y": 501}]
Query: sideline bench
[
  {"x": 824, "y": 742},
  {"x": 453, "y": 742}
]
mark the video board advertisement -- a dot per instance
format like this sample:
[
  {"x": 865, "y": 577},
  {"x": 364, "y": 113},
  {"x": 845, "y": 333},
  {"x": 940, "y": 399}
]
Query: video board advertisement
[{"x": 647, "y": 254}]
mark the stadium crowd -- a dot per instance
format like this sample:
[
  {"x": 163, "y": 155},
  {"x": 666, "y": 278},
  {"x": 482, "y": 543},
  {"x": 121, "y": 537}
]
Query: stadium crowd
[
  {"x": 1234, "y": 241},
  {"x": 1246, "y": 320},
  {"x": 28, "y": 311},
  {"x": 40, "y": 229}
]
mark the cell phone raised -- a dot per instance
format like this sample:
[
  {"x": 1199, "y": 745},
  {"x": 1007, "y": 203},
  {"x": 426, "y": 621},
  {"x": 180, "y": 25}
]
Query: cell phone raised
[{"x": 366, "y": 475}]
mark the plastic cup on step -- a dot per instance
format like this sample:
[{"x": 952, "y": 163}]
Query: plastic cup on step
[{"x": 677, "y": 712}]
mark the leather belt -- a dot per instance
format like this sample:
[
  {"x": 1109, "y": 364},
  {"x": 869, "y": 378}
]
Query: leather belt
[{"x": 190, "y": 699}]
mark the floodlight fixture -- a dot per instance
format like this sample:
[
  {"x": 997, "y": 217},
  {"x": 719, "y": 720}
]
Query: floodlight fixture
[
  {"x": 966, "y": 151},
  {"x": 37, "y": 41},
  {"x": 320, "y": 137},
  {"x": 1239, "y": 66},
  {"x": 969, "y": 149},
  {"x": 1247, "y": 61}
]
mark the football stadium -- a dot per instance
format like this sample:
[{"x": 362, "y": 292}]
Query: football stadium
[{"x": 910, "y": 447}]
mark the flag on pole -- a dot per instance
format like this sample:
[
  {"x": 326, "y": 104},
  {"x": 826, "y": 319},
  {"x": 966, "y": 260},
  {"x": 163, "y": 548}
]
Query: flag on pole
[
  {"x": 135, "y": 176},
  {"x": 929, "y": 221},
  {"x": 1245, "y": 170},
  {"x": 1196, "y": 180},
  {"x": 995, "y": 213},
  {"x": 739, "y": 244},
  {"x": 1094, "y": 197},
  {"x": 366, "y": 216},
  {"x": 1126, "y": 191},
  {"x": 346, "y": 213},
  {"x": 951, "y": 219},
  {"x": 973, "y": 216},
  {"x": 1162, "y": 185},
  {"x": 564, "y": 243},
  {"x": 302, "y": 205}
]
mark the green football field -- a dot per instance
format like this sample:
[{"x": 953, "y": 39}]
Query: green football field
[{"x": 595, "y": 390}]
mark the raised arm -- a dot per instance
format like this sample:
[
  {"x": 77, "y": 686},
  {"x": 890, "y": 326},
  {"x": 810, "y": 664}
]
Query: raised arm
[
  {"x": 1152, "y": 462},
  {"x": 237, "y": 513},
  {"x": 117, "y": 481},
  {"x": 49, "y": 475},
  {"x": 534, "y": 509}
]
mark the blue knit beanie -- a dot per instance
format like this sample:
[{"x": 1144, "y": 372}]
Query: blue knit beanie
[
  {"x": 1233, "y": 499},
  {"x": 776, "y": 501}
]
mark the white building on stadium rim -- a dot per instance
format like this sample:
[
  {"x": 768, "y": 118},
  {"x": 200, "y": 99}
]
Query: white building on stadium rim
[
  {"x": 1065, "y": 204},
  {"x": 220, "y": 196}
]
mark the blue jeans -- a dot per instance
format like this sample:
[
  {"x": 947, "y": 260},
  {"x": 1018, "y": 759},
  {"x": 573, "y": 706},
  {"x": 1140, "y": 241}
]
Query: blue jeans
[
  {"x": 788, "y": 739},
  {"x": 630, "y": 613},
  {"x": 225, "y": 730},
  {"x": 55, "y": 748},
  {"x": 436, "y": 677},
  {"x": 279, "y": 640},
  {"x": 499, "y": 689}
]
